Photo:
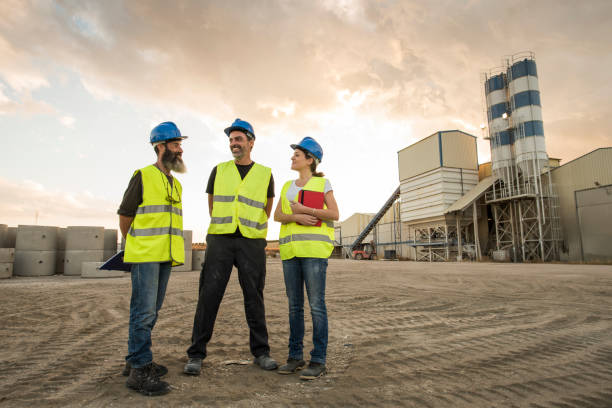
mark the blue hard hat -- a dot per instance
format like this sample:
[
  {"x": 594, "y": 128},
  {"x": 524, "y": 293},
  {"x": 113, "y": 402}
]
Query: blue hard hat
[
  {"x": 310, "y": 146},
  {"x": 241, "y": 125},
  {"x": 166, "y": 131}
]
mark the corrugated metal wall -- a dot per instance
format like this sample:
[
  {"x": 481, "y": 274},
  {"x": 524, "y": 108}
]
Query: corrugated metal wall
[
  {"x": 419, "y": 158},
  {"x": 579, "y": 174},
  {"x": 459, "y": 150}
]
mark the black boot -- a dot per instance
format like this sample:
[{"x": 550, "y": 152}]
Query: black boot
[
  {"x": 145, "y": 381},
  {"x": 158, "y": 369}
]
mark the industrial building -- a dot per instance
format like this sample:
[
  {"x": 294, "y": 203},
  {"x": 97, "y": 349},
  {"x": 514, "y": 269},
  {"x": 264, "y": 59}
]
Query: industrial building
[{"x": 522, "y": 206}]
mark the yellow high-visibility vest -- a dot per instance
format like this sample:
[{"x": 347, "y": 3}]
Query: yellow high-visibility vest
[
  {"x": 240, "y": 202},
  {"x": 156, "y": 234},
  {"x": 301, "y": 240}
]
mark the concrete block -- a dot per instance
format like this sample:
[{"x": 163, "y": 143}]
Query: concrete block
[
  {"x": 90, "y": 270},
  {"x": 3, "y": 235},
  {"x": 34, "y": 263},
  {"x": 74, "y": 259},
  {"x": 7, "y": 255},
  {"x": 110, "y": 240},
  {"x": 11, "y": 237},
  {"x": 36, "y": 238},
  {"x": 84, "y": 238},
  {"x": 6, "y": 270},
  {"x": 197, "y": 259}
]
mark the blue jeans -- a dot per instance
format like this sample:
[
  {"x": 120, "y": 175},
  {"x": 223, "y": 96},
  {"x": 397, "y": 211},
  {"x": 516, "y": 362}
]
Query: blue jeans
[
  {"x": 310, "y": 272},
  {"x": 149, "y": 282}
]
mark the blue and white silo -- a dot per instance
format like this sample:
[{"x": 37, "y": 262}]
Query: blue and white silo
[
  {"x": 500, "y": 134},
  {"x": 526, "y": 111}
]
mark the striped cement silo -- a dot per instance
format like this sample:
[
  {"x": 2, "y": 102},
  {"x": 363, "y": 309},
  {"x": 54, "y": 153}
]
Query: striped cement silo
[
  {"x": 524, "y": 94},
  {"x": 35, "y": 250},
  {"x": 500, "y": 133},
  {"x": 83, "y": 244}
]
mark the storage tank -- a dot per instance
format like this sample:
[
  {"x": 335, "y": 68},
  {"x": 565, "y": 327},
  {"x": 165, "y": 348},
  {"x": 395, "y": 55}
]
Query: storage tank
[
  {"x": 524, "y": 94},
  {"x": 500, "y": 134}
]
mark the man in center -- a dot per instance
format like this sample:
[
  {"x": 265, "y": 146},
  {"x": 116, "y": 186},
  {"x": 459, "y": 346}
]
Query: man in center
[{"x": 240, "y": 197}]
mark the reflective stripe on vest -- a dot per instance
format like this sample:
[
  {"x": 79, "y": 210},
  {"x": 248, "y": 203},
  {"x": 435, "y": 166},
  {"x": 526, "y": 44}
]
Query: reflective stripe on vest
[
  {"x": 156, "y": 234},
  {"x": 301, "y": 240},
  {"x": 240, "y": 203}
]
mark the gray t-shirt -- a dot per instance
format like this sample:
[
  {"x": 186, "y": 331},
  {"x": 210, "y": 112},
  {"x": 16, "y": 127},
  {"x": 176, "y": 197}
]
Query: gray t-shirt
[{"x": 293, "y": 190}]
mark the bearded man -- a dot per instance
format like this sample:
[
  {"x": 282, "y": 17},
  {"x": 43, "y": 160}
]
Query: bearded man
[{"x": 151, "y": 221}]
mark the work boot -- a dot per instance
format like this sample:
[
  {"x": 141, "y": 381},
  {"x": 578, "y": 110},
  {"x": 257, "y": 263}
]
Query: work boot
[
  {"x": 292, "y": 366},
  {"x": 158, "y": 369},
  {"x": 313, "y": 371},
  {"x": 265, "y": 362},
  {"x": 193, "y": 366},
  {"x": 142, "y": 380}
]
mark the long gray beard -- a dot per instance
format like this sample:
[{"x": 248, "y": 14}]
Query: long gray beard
[{"x": 176, "y": 165}]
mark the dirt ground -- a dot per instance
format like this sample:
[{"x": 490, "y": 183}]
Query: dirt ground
[{"x": 400, "y": 334}]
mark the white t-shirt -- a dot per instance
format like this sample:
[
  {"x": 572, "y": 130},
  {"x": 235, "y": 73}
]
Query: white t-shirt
[{"x": 293, "y": 190}]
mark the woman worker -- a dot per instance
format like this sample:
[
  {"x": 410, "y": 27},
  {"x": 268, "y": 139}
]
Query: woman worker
[{"x": 306, "y": 241}]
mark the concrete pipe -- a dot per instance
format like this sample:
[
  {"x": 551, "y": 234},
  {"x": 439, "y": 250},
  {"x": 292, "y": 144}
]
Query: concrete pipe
[
  {"x": 7, "y": 255},
  {"x": 188, "y": 237},
  {"x": 74, "y": 259},
  {"x": 11, "y": 237},
  {"x": 36, "y": 238},
  {"x": 34, "y": 263},
  {"x": 110, "y": 240},
  {"x": 84, "y": 238},
  {"x": 3, "y": 235},
  {"x": 6, "y": 270},
  {"x": 197, "y": 257}
]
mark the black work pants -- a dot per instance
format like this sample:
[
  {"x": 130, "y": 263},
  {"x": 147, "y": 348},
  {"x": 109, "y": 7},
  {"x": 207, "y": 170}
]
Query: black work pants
[{"x": 222, "y": 253}]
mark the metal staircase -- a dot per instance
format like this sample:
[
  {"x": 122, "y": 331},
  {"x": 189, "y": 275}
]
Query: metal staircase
[{"x": 375, "y": 220}]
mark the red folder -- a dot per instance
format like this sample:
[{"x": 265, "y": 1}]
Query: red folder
[{"x": 312, "y": 199}]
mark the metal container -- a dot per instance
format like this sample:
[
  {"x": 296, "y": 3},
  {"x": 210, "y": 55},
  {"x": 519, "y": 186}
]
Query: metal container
[
  {"x": 74, "y": 259},
  {"x": 36, "y": 238},
  {"x": 84, "y": 238},
  {"x": 6, "y": 270},
  {"x": 34, "y": 263}
]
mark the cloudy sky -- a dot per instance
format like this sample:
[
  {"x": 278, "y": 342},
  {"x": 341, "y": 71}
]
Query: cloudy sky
[{"x": 83, "y": 82}]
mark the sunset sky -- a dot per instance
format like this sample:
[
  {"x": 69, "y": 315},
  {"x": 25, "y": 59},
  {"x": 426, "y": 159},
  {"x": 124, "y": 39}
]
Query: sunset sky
[{"x": 83, "y": 82}]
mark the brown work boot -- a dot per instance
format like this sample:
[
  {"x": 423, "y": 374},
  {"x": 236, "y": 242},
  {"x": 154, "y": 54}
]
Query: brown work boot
[
  {"x": 158, "y": 369},
  {"x": 145, "y": 381}
]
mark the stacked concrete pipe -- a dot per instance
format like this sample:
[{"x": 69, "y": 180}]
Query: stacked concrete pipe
[
  {"x": 110, "y": 243},
  {"x": 11, "y": 237},
  {"x": 35, "y": 250},
  {"x": 83, "y": 244},
  {"x": 186, "y": 267},
  {"x": 61, "y": 251},
  {"x": 7, "y": 255},
  {"x": 197, "y": 259}
]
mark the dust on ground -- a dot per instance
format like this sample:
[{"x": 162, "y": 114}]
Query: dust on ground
[{"x": 400, "y": 334}]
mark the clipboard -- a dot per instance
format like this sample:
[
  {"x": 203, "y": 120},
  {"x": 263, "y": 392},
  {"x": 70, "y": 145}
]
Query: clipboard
[
  {"x": 312, "y": 199},
  {"x": 115, "y": 263}
]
